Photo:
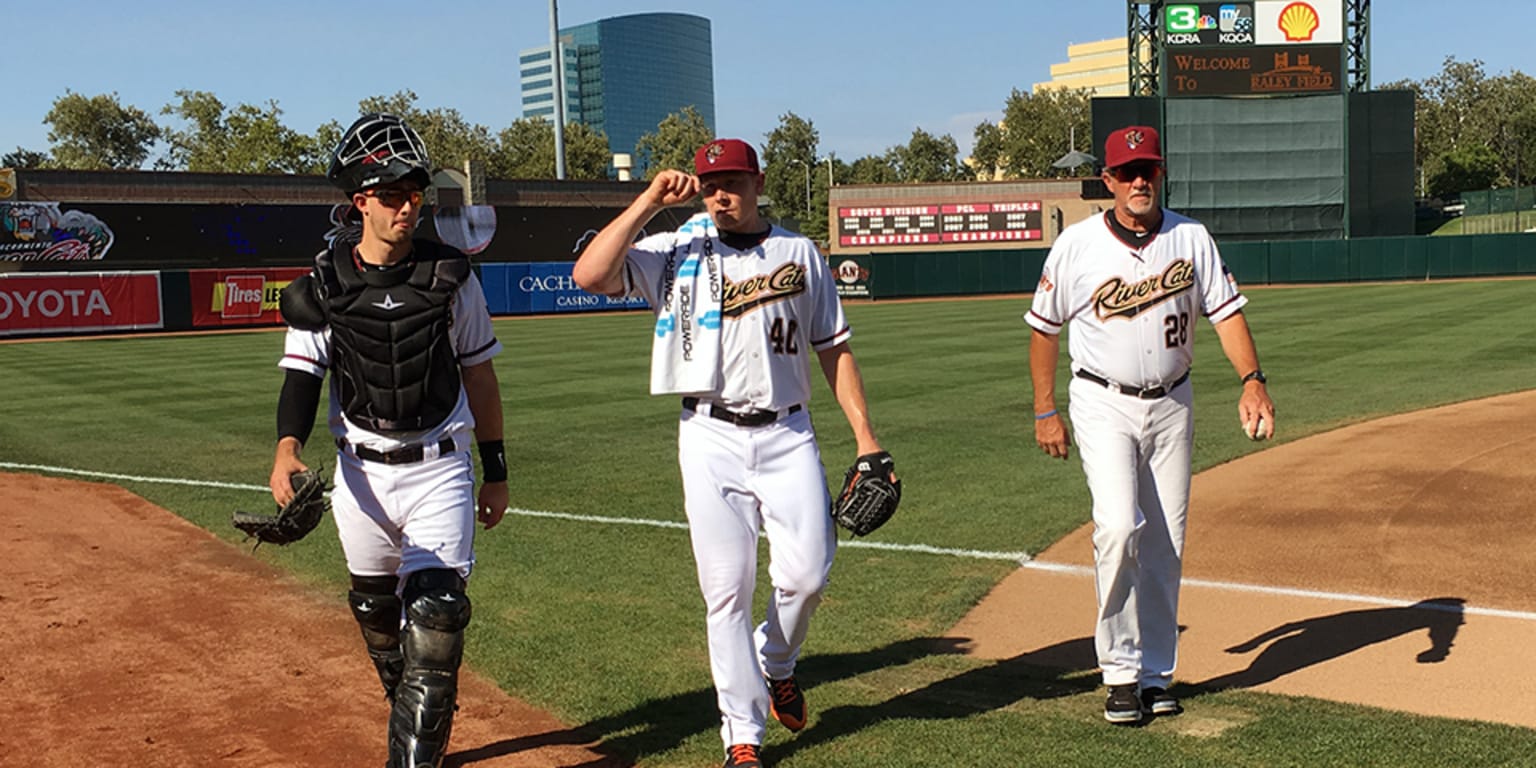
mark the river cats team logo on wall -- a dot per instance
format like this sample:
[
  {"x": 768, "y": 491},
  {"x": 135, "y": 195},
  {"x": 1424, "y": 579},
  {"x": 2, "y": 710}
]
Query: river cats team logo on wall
[
  {"x": 1118, "y": 298},
  {"x": 31, "y": 231}
]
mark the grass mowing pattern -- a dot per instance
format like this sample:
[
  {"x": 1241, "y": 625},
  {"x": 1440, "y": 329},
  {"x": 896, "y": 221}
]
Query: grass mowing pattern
[{"x": 604, "y": 625}]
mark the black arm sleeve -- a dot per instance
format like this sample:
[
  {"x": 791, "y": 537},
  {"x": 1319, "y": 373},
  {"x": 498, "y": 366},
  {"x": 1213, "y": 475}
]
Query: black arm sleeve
[{"x": 296, "y": 405}]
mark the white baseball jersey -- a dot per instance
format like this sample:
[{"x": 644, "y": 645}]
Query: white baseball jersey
[
  {"x": 473, "y": 339},
  {"x": 1131, "y": 308},
  {"x": 778, "y": 302}
]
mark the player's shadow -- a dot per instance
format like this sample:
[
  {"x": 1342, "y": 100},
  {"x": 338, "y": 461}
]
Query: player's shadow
[
  {"x": 1048, "y": 673},
  {"x": 663, "y": 724},
  {"x": 1301, "y": 644}
]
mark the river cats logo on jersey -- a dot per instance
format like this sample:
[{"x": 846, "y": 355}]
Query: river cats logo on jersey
[
  {"x": 780, "y": 284},
  {"x": 1118, "y": 298}
]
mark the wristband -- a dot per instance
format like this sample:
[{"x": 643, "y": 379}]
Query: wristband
[
  {"x": 1046, "y": 415},
  {"x": 493, "y": 461}
]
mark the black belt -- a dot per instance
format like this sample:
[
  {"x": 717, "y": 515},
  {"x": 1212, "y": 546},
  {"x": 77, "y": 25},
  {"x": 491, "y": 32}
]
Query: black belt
[
  {"x": 755, "y": 418},
  {"x": 409, "y": 454},
  {"x": 1150, "y": 393}
]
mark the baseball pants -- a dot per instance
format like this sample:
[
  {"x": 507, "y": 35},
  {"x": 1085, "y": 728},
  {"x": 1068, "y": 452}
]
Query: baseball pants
[
  {"x": 1136, "y": 456},
  {"x": 402, "y": 518},
  {"x": 735, "y": 481}
]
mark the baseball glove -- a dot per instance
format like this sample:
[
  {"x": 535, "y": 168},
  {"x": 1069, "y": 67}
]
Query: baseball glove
[
  {"x": 870, "y": 494},
  {"x": 293, "y": 520}
]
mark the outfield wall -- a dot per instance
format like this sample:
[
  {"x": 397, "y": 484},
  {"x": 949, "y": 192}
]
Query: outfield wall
[
  {"x": 80, "y": 303},
  {"x": 903, "y": 275}
]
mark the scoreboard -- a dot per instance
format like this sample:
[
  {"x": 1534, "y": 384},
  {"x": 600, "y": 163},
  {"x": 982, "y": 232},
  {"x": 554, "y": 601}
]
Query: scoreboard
[{"x": 944, "y": 223}]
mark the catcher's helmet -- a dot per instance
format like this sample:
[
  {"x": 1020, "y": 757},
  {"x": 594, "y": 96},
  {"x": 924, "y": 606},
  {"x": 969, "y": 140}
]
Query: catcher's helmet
[{"x": 379, "y": 149}]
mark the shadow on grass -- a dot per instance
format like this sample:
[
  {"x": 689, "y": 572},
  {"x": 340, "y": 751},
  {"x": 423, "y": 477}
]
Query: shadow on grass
[
  {"x": 663, "y": 724},
  {"x": 1047, "y": 673},
  {"x": 1301, "y": 644}
]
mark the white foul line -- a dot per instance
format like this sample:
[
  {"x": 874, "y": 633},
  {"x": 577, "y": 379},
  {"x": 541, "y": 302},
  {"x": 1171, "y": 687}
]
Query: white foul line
[
  {"x": 1231, "y": 586},
  {"x": 1022, "y": 558}
]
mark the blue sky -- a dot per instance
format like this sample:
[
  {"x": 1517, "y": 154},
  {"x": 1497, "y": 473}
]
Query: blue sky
[{"x": 864, "y": 73}]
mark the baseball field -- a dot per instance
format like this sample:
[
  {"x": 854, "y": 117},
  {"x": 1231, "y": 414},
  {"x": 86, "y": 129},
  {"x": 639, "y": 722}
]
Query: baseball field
[{"x": 131, "y": 595}]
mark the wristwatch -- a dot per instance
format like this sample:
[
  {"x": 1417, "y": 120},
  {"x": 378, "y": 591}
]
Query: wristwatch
[{"x": 1256, "y": 375}]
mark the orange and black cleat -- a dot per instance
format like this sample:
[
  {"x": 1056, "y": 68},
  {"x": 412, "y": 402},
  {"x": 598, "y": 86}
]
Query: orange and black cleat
[{"x": 787, "y": 703}]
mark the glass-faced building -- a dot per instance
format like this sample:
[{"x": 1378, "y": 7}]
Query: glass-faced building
[{"x": 625, "y": 74}]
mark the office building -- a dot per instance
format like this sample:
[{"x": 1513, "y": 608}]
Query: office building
[{"x": 624, "y": 75}]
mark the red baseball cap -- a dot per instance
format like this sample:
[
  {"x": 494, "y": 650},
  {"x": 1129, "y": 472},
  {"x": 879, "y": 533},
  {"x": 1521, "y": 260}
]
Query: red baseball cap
[
  {"x": 1136, "y": 142},
  {"x": 725, "y": 155}
]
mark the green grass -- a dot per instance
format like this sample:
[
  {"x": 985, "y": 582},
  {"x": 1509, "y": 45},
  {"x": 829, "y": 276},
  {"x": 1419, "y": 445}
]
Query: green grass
[
  {"x": 1488, "y": 223},
  {"x": 603, "y": 624}
]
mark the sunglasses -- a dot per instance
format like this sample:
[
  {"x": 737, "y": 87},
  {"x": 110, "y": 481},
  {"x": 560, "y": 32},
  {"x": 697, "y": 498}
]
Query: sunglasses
[
  {"x": 1145, "y": 169},
  {"x": 395, "y": 198}
]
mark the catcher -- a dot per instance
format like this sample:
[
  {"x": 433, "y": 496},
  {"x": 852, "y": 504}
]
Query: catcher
[{"x": 401, "y": 325}]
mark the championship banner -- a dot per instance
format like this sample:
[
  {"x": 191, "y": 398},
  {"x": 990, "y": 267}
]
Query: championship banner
[
  {"x": 79, "y": 301},
  {"x": 237, "y": 297},
  {"x": 940, "y": 223}
]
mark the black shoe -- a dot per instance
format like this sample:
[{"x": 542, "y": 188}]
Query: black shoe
[
  {"x": 787, "y": 703},
  {"x": 1123, "y": 706},
  {"x": 742, "y": 756},
  {"x": 1159, "y": 702}
]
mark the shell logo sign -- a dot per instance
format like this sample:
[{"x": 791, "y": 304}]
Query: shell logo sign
[
  {"x": 1287, "y": 22},
  {"x": 1298, "y": 21}
]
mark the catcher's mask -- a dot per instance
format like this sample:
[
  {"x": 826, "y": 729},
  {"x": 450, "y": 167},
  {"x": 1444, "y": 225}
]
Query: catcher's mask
[{"x": 379, "y": 149}]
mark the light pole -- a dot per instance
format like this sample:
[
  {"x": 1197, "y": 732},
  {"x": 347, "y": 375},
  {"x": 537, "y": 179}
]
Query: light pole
[
  {"x": 807, "y": 169},
  {"x": 828, "y": 158}
]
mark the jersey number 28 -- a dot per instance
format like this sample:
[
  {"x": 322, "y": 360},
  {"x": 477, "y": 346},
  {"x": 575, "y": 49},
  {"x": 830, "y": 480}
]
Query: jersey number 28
[{"x": 1178, "y": 330}]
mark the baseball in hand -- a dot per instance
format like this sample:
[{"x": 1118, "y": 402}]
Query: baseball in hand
[{"x": 1254, "y": 429}]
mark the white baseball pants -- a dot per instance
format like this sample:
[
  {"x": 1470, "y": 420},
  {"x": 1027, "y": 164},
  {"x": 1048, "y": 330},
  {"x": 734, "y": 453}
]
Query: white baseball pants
[
  {"x": 403, "y": 518},
  {"x": 735, "y": 481},
  {"x": 1136, "y": 455}
]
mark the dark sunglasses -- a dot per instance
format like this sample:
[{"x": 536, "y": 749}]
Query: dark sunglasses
[
  {"x": 1145, "y": 169},
  {"x": 395, "y": 198}
]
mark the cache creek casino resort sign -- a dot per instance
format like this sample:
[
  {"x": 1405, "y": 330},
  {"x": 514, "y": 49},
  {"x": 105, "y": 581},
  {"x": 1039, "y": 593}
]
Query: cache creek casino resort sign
[{"x": 1260, "y": 48}]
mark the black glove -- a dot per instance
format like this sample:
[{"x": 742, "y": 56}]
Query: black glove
[
  {"x": 870, "y": 494},
  {"x": 293, "y": 520}
]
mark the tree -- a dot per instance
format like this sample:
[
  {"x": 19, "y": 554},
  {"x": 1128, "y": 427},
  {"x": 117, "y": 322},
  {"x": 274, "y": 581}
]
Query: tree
[
  {"x": 24, "y": 158},
  {"x": 1462, "y": 109},
  {"x": 872, "y": 169},
  {"x": 1464, "y": 168},
  {"x": 1036, "y": 130},
  {"x": 677, "y": 137},
  {"x": 788, "y": 162},
  {"x": 450, "y": 139},
  {"x": 926, "y": 157},
  {"x": 247, "y": 139},
  {"x": 987, "y": 151},
  {"x": 526, "y": 150},
  {"x": 98, "y": 133}
]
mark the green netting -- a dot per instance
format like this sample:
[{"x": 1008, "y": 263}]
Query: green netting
[
  {"x": 1270, "y": 168},
  {"x": 1485, "y": 201}
]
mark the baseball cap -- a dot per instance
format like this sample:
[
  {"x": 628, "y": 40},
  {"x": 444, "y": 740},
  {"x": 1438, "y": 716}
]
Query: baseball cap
[
  {"x": 725, "y": 155},
  {"x": 1136, "y": 142}
]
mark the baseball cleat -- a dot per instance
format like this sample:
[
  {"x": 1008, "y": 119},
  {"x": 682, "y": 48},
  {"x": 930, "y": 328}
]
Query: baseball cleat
[
  {"x": 742, "y": 756},
  {"x": 1159, "y": 701},
  {"x": 787, "y": 702},
  {"x": 1123, "y": 706}
]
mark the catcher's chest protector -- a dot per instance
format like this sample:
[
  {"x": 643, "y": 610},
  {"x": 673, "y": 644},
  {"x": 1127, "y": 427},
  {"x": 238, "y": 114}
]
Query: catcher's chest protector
[{"x": 393, "y": 366}]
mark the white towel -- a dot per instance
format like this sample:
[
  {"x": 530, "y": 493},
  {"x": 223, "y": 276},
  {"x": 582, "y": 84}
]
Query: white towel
[{"x": 685, "y": 356}]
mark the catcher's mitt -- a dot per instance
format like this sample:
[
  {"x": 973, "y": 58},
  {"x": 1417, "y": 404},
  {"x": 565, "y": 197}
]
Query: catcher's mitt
[
  {"x": 293, "y": 520},
  {"x": 870, "y": 494}
]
